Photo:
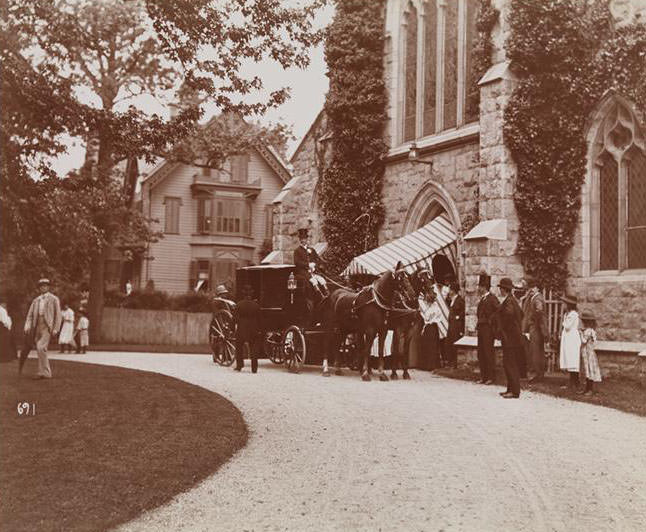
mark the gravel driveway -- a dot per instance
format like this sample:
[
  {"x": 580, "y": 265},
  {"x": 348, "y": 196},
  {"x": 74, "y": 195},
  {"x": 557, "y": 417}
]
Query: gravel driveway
[{"x": 426, "y": 454}]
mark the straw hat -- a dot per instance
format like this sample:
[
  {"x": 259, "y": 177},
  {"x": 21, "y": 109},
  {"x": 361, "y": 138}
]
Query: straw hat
[{"x": 221, "y": 290}]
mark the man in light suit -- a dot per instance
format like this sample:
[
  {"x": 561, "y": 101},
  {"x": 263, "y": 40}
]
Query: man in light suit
[{"x": 43, "y": 320}]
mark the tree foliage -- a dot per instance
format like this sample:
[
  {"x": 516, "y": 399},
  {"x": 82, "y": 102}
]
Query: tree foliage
[
  {"x": 356, "y": 111},
  {"x": 567, "y": 55},
  {"x": 57, "y": 52}
]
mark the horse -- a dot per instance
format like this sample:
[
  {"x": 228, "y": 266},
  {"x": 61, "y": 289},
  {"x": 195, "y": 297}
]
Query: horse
[
  {"x": 365, "y": 313},
  {"x": 412, "y": 286},
  {"x": 401, "y": 321}
]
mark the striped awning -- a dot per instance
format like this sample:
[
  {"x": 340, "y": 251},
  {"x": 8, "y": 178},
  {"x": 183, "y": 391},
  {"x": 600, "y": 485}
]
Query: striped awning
[{"x": 417, "y": 247}]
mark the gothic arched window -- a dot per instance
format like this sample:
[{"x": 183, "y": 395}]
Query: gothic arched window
[
  {"x": 619, "y": 188},
  {"x": 435, "y": 43},
  {"x": 410, "y": 74}
]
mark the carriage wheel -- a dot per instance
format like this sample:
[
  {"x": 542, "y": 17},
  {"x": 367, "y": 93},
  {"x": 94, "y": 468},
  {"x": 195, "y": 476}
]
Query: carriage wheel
[
  {"x": 222, "y": 338},
  {"x": 273, "y": 347},
  {"x": 294, "y": 348}
]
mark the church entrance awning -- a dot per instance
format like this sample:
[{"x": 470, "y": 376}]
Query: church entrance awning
[{"x": 415, "y": 248}]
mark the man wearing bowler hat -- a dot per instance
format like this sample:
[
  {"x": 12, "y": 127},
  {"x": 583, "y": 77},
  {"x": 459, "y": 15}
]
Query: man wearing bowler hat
[
  {"x": 509, "y": 329},
  {"x": 43, "y": 321},
  {"x": 486, "y": 311}
]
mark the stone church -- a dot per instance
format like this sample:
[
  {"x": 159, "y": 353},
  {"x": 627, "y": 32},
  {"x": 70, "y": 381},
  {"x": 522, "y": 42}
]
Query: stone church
[{"x": 447, "y": 157}]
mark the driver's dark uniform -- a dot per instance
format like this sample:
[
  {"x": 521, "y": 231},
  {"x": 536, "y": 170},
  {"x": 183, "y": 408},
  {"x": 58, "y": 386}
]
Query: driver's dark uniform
[{"x": 302, "y": 257}]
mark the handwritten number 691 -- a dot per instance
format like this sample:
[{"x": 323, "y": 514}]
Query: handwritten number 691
[{"x": 25, "y": 409}]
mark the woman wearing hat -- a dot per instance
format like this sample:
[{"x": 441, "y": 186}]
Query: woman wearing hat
[
  {"x": 570, "y": 354},
  {"x": 588, "y": 355}
]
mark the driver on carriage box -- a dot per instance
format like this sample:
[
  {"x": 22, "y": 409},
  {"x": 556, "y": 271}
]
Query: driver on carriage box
[{"x": 306, "y": 261}]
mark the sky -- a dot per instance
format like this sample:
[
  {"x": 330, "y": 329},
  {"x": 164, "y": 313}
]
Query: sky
[{"x": 308, "y": 90}]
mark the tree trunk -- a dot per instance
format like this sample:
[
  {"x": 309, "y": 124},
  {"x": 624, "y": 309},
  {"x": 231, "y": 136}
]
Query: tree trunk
[{"x": 95, "y": 304}]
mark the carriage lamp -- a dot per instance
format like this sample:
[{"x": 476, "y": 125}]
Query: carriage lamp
[
  {"x": 413, "y": 156},
  {"x": 291, "y": 286}
]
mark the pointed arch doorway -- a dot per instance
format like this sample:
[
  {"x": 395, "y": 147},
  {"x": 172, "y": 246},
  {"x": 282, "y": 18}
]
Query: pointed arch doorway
[{"x": 431, "y": 201}]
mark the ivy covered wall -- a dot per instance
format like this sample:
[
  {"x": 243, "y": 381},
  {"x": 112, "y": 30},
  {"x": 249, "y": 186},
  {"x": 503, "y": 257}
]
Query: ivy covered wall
[
  {"x": 356, "y": 111},
  {"x": 566, "y": 54}
]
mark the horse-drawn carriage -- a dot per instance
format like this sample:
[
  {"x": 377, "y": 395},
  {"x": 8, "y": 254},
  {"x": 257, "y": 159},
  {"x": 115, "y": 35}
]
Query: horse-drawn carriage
[
  {"x": 292, "y": 332},
  {"x": 343, "y": 325}
]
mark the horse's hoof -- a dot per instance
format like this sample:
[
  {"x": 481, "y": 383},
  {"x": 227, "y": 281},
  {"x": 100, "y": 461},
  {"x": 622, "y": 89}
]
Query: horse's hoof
[
  {"x": 338, "y": 372},
  {"x": 406, "y": 376},
  {"x": 325, "y": 374},
  {"x": 393, "y": 376},
  {"x": 383, "y": 378},
  {"x": 365, "y": 377}
]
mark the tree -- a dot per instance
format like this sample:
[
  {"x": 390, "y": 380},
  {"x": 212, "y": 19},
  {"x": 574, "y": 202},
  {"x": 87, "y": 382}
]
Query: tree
[
  {"x": 356, "y": 109},
  {"x": 118, "y": 50}
]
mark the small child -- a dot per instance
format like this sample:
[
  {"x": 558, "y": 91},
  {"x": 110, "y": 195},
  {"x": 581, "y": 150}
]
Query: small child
[
  {"x": 66, "y": 336},
  {"x": 589, "y": 356},
  {"x": 83, "y": 335}
]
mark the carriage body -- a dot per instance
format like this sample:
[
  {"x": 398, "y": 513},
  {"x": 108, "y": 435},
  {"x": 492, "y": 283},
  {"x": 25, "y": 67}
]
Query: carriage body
[{"x": 287, "y": 333}]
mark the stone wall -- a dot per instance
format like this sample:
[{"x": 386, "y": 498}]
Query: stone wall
[
  {"x": 496, "y": 182},
  {"x": 455, "y": 170},
  {"x": 619, "y": 306},
  {"x": 299, "y": 207}
]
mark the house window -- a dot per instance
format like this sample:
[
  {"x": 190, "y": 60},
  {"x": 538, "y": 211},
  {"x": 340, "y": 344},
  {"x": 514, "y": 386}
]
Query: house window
[
  {"x": 112, "y": 270},
  {"x": 239, "y": 168},
  {"x": 204, "y": 215},
  {"x": 445, "y": 92},
  {"x": 224, "y": 216},
  {"x": 619, "y": 184},
  {"x": 211, "y": 173},
  {"x": 171, "y": 215},
  {"x": 224, "y": 272}
]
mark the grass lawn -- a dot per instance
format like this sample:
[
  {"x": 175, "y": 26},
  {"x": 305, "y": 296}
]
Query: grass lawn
[
  {"x": 105, "y": 444},
  {"x": 621, "y": 393}
]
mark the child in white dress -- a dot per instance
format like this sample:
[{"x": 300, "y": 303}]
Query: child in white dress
[
  {"x": 589, "y": 359},
  {"x": 570, "y": 352},
  {"x": 82, "y": 328},
  {"x": 66, "y": 336}
]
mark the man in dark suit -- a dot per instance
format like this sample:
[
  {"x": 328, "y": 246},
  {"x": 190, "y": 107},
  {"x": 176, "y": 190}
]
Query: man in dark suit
[
  {"x": 306, "y": 260},
  {"x": 509, "y": 329},
  {"x": 487, "y": 307},
  {"x": 535, "y": 328},
  {"x": 456, "y": 323},
  {"x": 248, "y": 319}
]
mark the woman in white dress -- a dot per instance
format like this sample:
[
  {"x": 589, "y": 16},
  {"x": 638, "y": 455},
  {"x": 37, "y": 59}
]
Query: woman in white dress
[
  {"x": 66, "y": 336},
  {"x": 570, "y": 355}
]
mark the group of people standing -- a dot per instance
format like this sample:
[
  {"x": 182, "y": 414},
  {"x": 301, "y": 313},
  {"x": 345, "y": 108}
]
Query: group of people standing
[
  {"x": 442, "y": 314},
  {"x": 521, "y": 327},
  {"x": 45, "y": 320}
]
